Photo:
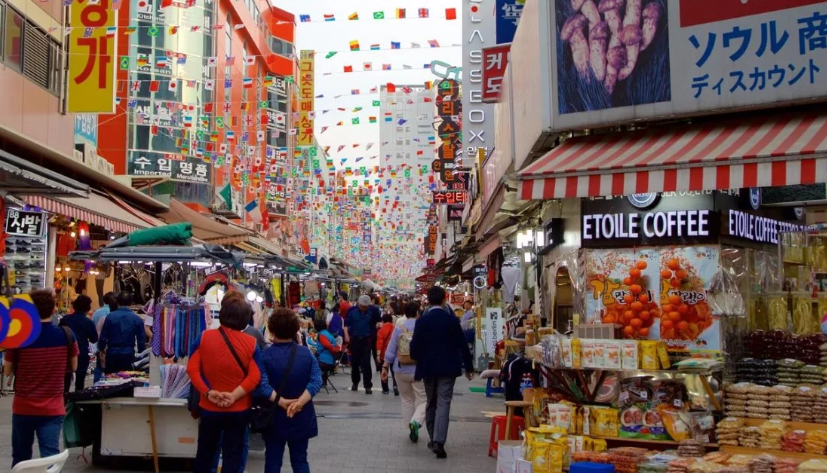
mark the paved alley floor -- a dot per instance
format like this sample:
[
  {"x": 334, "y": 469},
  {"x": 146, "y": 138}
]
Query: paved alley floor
[{"x": 358, "y": 433}]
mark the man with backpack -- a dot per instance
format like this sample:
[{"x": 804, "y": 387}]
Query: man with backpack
[
  {"x": 398, "y": 355},
  {"x": 439, "y": 348}
]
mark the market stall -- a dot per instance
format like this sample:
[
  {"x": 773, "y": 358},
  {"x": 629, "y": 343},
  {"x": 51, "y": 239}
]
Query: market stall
[{"x": 159, "y": 400}]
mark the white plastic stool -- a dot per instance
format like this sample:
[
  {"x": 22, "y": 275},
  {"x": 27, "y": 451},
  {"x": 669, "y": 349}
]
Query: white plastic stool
[{"x": 51, "y": 464}]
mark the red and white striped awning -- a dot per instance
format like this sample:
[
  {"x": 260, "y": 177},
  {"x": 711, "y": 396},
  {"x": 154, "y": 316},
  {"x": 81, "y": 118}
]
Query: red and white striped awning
[
  {"x": 776, "y": 151},
  {"x": 95, "y": 209}
]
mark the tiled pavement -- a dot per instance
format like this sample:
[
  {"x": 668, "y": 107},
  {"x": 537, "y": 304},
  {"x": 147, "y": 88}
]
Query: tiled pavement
[{"x": 357, "y": 434}]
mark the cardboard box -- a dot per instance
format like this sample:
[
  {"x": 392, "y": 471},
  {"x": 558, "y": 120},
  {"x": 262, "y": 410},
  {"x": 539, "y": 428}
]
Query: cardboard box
[{"x": 524, "y": 466}]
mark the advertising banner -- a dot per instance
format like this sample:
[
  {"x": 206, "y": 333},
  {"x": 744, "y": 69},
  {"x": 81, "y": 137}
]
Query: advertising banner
[
  {"x": 306, "y": 98},
  {"x": 170, "y": 166},
  {"x": 86, "y": 128},
  {"x": 656, "y": 294},
  {"x": 508, "y": 18},
  {"x": 494, "y": 62},
  {"x": 656, "y": 58},
  {"x": 479, "y": 30},
  {"x": 92, "y": 49}
]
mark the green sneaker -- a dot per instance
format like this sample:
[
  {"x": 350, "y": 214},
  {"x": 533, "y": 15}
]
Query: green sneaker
[{"x": 414, "y": 425}]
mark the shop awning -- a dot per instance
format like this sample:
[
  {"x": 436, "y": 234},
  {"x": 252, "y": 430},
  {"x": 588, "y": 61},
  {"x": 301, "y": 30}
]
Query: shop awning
[
  {"x": 152, "y": 221},
  {"x": 776, "y": 151},
  {"x": 19, "y": 176},
  {"x": 96, "y": 209},
  {"x": 203, "y": 227}
]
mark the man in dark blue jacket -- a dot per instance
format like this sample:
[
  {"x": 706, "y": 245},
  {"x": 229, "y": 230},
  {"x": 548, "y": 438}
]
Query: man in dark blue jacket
[
  {"x": 360, "y": 335},
  {"x": 122, "y": 330},
  {"x": 440, "y": 351},
  {"x": 85, "y": 333}
]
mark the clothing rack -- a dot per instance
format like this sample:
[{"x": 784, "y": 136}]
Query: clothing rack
[{"x": 177, "y": 325}]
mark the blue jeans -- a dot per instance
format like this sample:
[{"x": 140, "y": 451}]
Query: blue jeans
[
  {"x": 274, "y": 455},
  {"x": 244, "y": 453},
  {"x": 23, "y": 430},
  {"x": 227, "y": 431}
]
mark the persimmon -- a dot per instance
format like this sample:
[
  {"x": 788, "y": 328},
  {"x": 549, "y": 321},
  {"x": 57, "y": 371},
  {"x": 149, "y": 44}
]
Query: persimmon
[
  {"x": 675, "y": 282},
  {"x": 636, "y": 306},
  {"x": 674, "y": 316},
  {"x": 683, "y": 309},
  {"x": 643, "y": 298},
  {"x": 643, "y": 332},
  {"x": 666, "y": 308},
  {"x": 629, "y": 298},
  {"x": 636, "y": 323},
  {"x": 674, "y": 299},
  {"x": 666, "y": 274},
  {"x": 629, "y": 331},
  {"x": 666, "y": 324},
  {"x": 673, "y": 264},
  {"x": 644, "y": 315},
  {"x": 634, "y": 272},
  {"x": 628, "y": 315},
  {"x": 683, "y": 326},
  {"x": 681, "y": 274},
  {"x": 609, "y": 320},
  {"x": 627, "y": 281},
  {"x": 641, "y": 265},
  {"x": 635, "y": 289}
]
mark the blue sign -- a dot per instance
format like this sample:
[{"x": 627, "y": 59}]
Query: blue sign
[
  {"x": 86, "y": 128},
  {"x": 508, "y": 17}
]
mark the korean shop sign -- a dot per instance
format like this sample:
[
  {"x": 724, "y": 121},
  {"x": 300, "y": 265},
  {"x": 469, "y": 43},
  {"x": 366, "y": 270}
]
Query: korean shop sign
[
  {"x": 479, "y": 31},
  {"x": 26, "y": 224},
  {"x": 449, "y": 197},
  {"x": 306, "y": 98},
  {"x": 690, "y": 56},
  {"x": 508, "y": 14},
  {"x": 494, "y": 61},
  {"x": 92, "y": 53},
  {"x": 171, "y": 166}
]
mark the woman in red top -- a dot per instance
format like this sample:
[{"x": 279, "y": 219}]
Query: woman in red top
[
  {"x": 224, "y": 371},
  {"x": 383, "y": 338}
]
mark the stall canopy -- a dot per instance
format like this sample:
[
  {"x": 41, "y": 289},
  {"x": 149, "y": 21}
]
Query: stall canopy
[
  {"x": 203, "y": 227},
  {"x": 163, "y": 254},
  {"x": 96, "y": 209},
  {"x": 19, "y": 176},
  {"x": 775, "y": 151}
]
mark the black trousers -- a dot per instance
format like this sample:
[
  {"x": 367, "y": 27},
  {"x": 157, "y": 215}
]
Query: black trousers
[
  {"x": 80, "y": 376},
  {"x": 360, "y": 361},
  {"x": 118, "y": 362},
  {"x": 392, "y": 376}
]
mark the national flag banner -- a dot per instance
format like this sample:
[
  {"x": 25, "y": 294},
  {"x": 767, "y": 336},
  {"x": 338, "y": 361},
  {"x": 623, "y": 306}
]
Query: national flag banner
[
  {"x": 428, "y": 85},
  {"x": 130, "y": 29},
  {"x": 353, "y": 16},
  {"x": 181, "y": 59},
  {"x": 219, "y": 122},
  {"x": 194, "y": 29},
  {"x": 324, "y": 129},
  {"x": 386, "y": 67},
  {"x": 154, "y": 86},
  {"x": 212, "y": 61},
  {"x": 329, "y": 17},
  {"x": 330, "y": 54},
  {"x": 187, "y": 121},
  {"x": 400, "y": 13},
  {"x": 434, "y": 43},
  {"x": 304, "y": 18},
  {"x": 391, "y": 87},
  {"x": 230, "y": 61},
  {"x": 230, "y": 135},
  {"x": 367, "y": 66},
  {"x": 239, "y": 26},
  {"x": 424, "y": 13},
  {"x": 247, "y": 82},
  {"x": 161, "y": 62},
  {"x": 269, "y": 80},
  {"x": 111, "y": 31},
  {"x": 218, "y": 26},
  {"x": 379, "y": 15},
  {"x": 228, "y": 84},
  {"x": 450, "y": 13},
  {"x": 208, "y": 107},
  {"x": 348, "y": 68},
  {"x": 311, "y": 115},
  {"x": 340, "y": 124},
  {"x": 354, "y": 45},
  {"x": 191, "y": 83},
  {"x": 124, "y": 63},
  {"x": 222, "y": 148},
  {"x": 402, "y": 121},
  {"x": 173, "y": 30},
  {"x": 341, "y": 147},
  {"x": 415, "y": 45},
  {"x": 374, "y": 90},
  {"x": 419, "y": 153},
  {"x": 249, "y": 60},
  {"x": 173, "y": 85},
  {"x": 143, "y": 60},
  {"x": 396, "y": 45},
  {"x": 136, "y": 86},
  {"x": 357, "y": 109},
  {"x": 209, "y": 84},
  {"x": 375, "y": 47},
  {"x": 377, "y": 103},
  {"x": 372, "y": 119},
  {"x": 354, "y": 121}
]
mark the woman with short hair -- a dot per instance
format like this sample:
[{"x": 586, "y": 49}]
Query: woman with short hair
[{"x": 293, "y": 366}]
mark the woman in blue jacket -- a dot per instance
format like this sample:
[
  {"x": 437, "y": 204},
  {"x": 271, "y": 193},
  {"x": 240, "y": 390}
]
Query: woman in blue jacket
[{"x": 295, "y": 418}]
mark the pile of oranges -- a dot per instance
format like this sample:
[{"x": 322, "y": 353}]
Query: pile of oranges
[
  {"x": 638, "y": 311},
  {"x": 680, "y": 320}
]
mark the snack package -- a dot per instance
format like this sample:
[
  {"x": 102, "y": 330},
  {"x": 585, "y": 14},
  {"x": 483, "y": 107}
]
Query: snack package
[
  {"x": 629, "y": 355},
  {"x": 587, "y": 353},
  {"x": 676, "y": 423},
  {"x": 567, "y": 358},
  {"x": 663, "y": 356},
  {"x": 613, "y": 349},
  {"x": 648, "y": 354},
  {"x": 605, "y": 422},
  {"x": 599, "y": 353},
  {"x": 576, "y": 348}
]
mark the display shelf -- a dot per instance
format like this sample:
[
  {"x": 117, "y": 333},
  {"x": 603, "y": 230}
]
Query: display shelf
[
  {"x": 805, "y": 426},
  {"x": 778, "y": 453},
  {"x": 666, "y": 443}
]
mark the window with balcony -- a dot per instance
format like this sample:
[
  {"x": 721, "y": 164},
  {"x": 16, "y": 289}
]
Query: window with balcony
[
  {"x": 280, "y": 46},
  {"x": 12, "y": 38},
  {"x": 30, "y": 50}
]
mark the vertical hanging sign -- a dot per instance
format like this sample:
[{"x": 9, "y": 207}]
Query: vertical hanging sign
[
  {"x": 478, "y": 27},
  {"x": 92, "y": 47},
  {"x": 306, "y": 101}
]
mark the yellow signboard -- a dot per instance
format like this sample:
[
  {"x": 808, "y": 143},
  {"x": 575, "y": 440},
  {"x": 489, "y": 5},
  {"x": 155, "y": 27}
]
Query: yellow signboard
[
  {"x": 92, "y": 57},
  {"x": 306, "y": 98}
]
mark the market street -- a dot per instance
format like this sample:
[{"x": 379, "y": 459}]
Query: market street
[{"x": 357, "y": 434}]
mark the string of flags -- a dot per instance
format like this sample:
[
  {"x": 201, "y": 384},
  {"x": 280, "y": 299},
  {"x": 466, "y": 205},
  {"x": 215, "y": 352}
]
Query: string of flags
[
  {"x": 355, "y": 45},
  {"x": 368, "y": 67},
  {"x": 396, "y": 14}
]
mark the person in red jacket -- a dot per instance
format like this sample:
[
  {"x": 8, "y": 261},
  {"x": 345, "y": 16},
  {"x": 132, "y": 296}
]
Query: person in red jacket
[
  {"x": 383, "y": 338},
  {"x": 224, "y": 371}
]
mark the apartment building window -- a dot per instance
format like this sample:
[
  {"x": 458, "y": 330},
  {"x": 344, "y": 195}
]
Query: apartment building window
[
  {"x": 28, "y": 49},
  {"x": 280, "y": 46},
  {"x": 399, "y": 129},
  {"x": 407, "y": 129}
]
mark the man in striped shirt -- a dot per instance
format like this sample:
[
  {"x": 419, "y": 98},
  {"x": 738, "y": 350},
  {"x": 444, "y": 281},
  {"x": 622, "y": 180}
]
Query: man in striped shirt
[{"x": 39, "y": 370}]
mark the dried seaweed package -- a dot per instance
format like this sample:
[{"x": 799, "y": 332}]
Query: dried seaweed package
[{"x": 724, "y": 297}]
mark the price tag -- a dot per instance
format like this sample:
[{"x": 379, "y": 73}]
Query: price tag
[{"x": 677, "y": 403}]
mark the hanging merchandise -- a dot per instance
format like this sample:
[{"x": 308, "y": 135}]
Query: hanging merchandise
[
  {"x": 294, "y": 293},
  {"x": 177, "y": 327}
]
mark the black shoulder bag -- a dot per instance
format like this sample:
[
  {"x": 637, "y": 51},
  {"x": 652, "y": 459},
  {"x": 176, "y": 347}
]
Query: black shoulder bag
[{"x": 261, "y": 418}]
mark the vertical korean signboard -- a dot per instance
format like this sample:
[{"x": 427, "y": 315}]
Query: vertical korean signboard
[
  {"x": 494, "y": 62},
  {"x": 92, "y": 49},
  {"x": 306, "y": 101},
  {"x": 683, "y": 57},
  {"x": 478, "y": 28}
]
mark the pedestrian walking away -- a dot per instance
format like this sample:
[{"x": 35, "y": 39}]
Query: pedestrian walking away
[
  {"x": 398, "y": 357},
  {"x": 439, "y": 348},
  {"x": 122, "y": 330},
  {"x": 383, "y": 338},
  {"x": 85, "y": 333},
  {"x": 360, "y": 333}
]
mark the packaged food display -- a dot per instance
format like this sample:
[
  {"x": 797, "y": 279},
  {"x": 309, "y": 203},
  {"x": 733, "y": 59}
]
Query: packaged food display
[
  {"x": 727, "y": 430},
  {"x": 762, "y": 464},
  {"x": 680, "y": 465},
  {"x": 804, "y": 322},
  {"x": 813, "y": 466},
  {"x": 771, "y": 433},
  {"x": 649, "y": 354},
  {"x": 786, "y": 465},
  {"x": 793, "y": 441},
  {"x": 777, "y": 319},
  {"x": 705, "y": 467},
  {"x": 629, "y": 355},
  {"x": 815, "y": 441},
  {"x": 802, "y": 399},
  {"x": 750, "y": 437},
  {"x": 691, "y": 448}
]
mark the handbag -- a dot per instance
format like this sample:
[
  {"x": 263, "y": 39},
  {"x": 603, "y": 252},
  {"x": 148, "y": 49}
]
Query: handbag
[{"x": 263, "y": 417}]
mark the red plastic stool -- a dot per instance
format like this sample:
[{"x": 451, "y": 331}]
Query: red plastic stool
[{"x": 498, "y": 431}]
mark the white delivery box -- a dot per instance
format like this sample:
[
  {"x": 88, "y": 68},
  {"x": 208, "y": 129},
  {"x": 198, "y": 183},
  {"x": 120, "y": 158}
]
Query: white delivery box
[
  {"x": 524, "y": 466},
  {"x": 508, "y": 452}
]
